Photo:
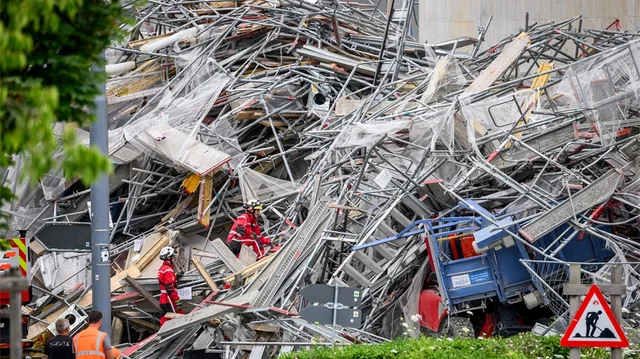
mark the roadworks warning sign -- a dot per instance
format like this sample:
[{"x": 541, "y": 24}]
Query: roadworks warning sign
[{"x": 594, "y": 325}]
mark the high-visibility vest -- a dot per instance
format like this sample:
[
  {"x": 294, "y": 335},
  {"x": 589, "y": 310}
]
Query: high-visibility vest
[{"x": 89, "y": 344}]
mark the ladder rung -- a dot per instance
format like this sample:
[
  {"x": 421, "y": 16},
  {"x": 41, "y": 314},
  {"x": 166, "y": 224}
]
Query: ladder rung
[
  {"x": 356, "y": 275},
  {"x": 368, "y": 262}
]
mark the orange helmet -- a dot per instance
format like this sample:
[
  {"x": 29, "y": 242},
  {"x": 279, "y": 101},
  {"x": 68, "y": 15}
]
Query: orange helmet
[{"x": 116, "y": 353}]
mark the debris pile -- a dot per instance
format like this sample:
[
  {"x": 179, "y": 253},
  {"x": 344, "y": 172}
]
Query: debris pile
[{"x": 385, "y": 165}]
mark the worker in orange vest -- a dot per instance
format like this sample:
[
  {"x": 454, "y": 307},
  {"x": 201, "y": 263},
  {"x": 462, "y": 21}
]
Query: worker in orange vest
[{"x": 91, "y": 343}]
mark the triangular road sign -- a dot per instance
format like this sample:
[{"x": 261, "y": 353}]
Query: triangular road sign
[{"x": 594, "y": 325}]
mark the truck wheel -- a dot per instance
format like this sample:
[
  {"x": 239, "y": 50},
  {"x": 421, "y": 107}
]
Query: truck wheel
[{"x": 457, "y": 327}]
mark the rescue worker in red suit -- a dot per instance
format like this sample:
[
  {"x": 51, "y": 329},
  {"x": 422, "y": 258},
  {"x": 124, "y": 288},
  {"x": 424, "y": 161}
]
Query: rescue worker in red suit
[
  {"x": 169, "y": 298},
  {"x": 245, "y": 231}
]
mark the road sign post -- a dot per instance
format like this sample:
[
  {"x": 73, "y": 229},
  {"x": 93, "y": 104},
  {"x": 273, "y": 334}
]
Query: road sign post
[
  {"x": 332, "y": 305},
  {"x": 594, "y": 323}
]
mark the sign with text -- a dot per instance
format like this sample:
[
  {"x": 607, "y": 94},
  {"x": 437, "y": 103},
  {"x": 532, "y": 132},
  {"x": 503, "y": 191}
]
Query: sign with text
[{"x": 185, "y": 293}]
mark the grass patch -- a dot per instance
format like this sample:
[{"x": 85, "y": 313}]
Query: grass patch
[{"x": 524, "y": 346}]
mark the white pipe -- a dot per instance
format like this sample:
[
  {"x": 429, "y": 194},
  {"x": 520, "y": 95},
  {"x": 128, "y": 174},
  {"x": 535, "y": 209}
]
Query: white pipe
[
  {"x": 168, "y": 41},
  {"x": 117, "y": 68}
]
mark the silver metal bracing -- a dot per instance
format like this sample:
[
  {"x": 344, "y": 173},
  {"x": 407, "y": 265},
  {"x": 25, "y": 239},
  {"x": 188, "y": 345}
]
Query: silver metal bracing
[
  {"x": 595, "y": 193},
  {"x": 225, "y": 254},
  {"x": 309, "y": 231}
]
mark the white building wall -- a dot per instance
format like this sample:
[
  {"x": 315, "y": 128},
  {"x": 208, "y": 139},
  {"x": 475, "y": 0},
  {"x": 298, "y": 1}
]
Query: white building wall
[{"x": 442, "y": 20}]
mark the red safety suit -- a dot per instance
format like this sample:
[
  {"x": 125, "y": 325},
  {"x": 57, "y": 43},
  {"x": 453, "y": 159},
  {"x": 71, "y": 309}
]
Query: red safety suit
[
  {"x": 245, "y": 231},
  {"x": 169, "y": 298}
]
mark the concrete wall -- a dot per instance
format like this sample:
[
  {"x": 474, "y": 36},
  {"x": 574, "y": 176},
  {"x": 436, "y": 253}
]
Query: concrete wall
[{"x": 446, "y": 19}]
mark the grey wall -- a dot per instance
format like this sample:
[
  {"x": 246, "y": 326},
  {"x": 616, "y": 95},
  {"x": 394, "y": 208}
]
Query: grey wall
[{"x": 446, "y": 19}]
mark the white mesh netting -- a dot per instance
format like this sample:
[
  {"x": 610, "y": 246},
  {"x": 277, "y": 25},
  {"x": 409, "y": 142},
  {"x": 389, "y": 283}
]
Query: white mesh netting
[
  {"x": 171, "y": 130},
  {"x": 367, "y": 134},
  {"x": 255, "y": 185},
  {"x": 605, "y": 87}
]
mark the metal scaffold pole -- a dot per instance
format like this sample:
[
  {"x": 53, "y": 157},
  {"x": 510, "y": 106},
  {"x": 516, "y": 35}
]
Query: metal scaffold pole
[
  {"x": 14, "y": 283},
  {"x": 100, "y": 256}
]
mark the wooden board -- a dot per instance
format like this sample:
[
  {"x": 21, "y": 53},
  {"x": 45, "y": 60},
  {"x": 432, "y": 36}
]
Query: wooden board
[
  {"x": 133, "y": 272},
  {"x": 174, "y": 213},
  {"x": 205, "y": 275},
  {"x": 206, "y": 192},
  {"x": 509, "y": 54},
  {"x": 222, "y": 4},
  {"x": 488, "y": 76},
  {"x": 153, "y": 252},
  {"x": 37, "y": 248},
  {"x": 250, "y": 270}
]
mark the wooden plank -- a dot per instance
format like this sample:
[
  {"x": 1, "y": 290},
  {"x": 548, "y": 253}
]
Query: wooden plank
[
  {"x": 170, "y": 315},
  {"x": 205, "y": 275},
  {"x": 206, "y": 192},
  {"x": 138, "y": 287},
  {"x": 263, "y": 327},
  {"x": 277, "y": 123},
  {"x": 152, "y": 253},
  {"x": 37, "y": 248},
  {"x": 174, "y": 213},
  {"x": 250, "y": 270},
  {"x": 343, "y": 207},
  {"x": 132, "y": 271},
  {"x": 582, "y": 289},
  {"x": 489, "y": 75},
  {"x": 509, "y": 54},
  {"x": 222, "y": 4}
]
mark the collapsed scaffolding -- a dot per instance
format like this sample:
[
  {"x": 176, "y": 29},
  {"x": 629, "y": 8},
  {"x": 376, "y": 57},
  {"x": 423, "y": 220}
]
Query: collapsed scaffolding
[{"x": 349, "y": 132}]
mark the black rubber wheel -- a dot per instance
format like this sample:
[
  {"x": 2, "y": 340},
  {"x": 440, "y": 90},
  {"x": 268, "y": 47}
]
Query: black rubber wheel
[{"x": 457, "y": 327}]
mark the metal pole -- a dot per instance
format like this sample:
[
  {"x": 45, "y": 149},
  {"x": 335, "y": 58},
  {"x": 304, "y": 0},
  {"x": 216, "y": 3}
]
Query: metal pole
[
  {"x": 100, "y": 257},
  {"x": 616, "y": 304},
  {"x": 574, "y": 303},
  {"x": 15, "y": 333},
  {"x": 14, "y": 283}
]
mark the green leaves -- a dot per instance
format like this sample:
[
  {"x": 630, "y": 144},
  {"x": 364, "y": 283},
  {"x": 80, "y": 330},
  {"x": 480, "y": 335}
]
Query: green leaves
[
  {"x": 522, "y": 346},
  {"x": 79, "y": 159},
  {"x": 48, "y": 47}
]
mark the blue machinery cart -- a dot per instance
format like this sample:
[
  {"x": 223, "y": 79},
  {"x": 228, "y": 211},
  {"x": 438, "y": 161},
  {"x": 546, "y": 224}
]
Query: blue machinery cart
[{"x": 476, "y": 262}]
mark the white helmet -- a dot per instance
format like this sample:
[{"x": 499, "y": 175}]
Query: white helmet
[{"x": 166, "y": 253}]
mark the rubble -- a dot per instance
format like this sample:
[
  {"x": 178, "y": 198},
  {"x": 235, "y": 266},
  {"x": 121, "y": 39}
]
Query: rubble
[{"x": 361, "y": 143}]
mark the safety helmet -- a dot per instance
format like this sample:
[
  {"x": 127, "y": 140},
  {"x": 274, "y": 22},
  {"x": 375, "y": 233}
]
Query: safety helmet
[
  {"x": 252, "y": 204},
  {"x": 166, "y": 253},
  {"x": 116, "y": 353}
]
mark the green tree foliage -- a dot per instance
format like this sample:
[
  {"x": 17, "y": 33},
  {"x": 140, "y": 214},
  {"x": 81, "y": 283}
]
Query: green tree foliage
[{"x": 47, "y": 48}]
